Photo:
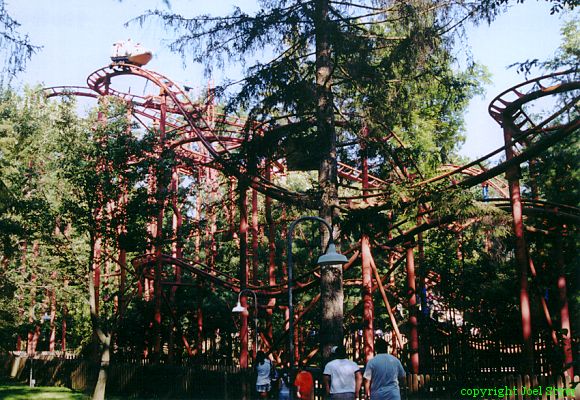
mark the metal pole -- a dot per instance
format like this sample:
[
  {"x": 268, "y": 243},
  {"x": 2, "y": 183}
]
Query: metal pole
[
  {"x": 290, "y": 284},
  {"x": 255, "y": 317},
  {"x": 30, "y": 379}
]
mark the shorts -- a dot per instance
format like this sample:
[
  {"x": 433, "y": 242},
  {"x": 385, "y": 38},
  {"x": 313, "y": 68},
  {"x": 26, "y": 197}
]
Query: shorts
[
  {"x": 263, "y": 388},
  {"x": 342, "y": 396}
]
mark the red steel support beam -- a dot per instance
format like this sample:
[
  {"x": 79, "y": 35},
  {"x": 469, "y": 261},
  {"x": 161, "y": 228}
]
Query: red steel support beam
[
  {"x": 271, "y": 257},
  {"x": 521, "y": 252},
  {"x": 52, "y": 299},
  {"x": 176, "y": 252},
  {"x": 254, "y": 237},
  {"x": 243, "y": 272},
  {"x": 564, "y": 311},
  {"x": 367, "y": 297},
  {"x": 387, "y": 304},
  {"x": 412, "y": 298},
  {"x": 158, "y": 245}
]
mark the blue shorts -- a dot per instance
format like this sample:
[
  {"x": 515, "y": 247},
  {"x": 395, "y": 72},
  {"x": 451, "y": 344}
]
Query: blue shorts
[
  {"x": 342, "y": 396},
  {"x": 263, "y": 388}
]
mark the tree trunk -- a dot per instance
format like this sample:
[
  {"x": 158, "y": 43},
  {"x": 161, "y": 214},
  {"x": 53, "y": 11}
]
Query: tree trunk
[
  {"x": 101, "y": 386},
  {"x": 103, "y": 338},
  {"x": 331, "y": 324}
]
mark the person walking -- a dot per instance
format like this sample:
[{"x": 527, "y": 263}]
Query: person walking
[
  {"x": 342, "y": 377},
  {"x": 264, "y": 370},
  {"x": 284, "y": 385},
  {"x": 304, "y": 384},
  {"x": 382, "y": 374}
]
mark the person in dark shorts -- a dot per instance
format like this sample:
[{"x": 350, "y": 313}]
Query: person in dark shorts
[
  {"x": 382, "y": 374},
  {"x": 263, "y": 372}
]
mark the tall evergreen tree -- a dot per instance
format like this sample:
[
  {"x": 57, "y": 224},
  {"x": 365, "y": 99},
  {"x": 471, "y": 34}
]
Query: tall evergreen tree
[{"x": 336, "y": 67}]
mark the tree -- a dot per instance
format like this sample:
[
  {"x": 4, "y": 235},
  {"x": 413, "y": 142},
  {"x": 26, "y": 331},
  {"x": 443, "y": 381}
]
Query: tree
[
  {"x": 16, "y": 48},
  {"x": 331, "y": 60},
  {"x": 95, "y": 165},
  {"x": 39, "y": 252}
]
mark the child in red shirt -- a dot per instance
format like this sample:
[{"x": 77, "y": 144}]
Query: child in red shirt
[{"x": 304, "y": 385}]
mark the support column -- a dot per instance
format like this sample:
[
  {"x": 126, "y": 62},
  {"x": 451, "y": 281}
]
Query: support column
[
  {"x": 365, "y": 163},
  {"x": 158, "y": 241},
  {"x": 512, "y": 175},
  {"x": 271, "y": 257},
  {"x": 255, "y": 237},
  {"x": 176, "y": 252},
  {"x": 243, "y": 272},
  {"x": 412, "y": 299},
  {"x": 367, "y": 297},
  {"x": 52, "y": 299},
  {"x": 564, "y": 311}
]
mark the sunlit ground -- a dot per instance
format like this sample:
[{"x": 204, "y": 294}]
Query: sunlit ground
[
  {"x": 21, "y": 392},
  {"x": 13, "y": 391}
]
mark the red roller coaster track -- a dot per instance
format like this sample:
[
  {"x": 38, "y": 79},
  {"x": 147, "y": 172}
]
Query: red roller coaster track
[{"x": 204, "y": 139}]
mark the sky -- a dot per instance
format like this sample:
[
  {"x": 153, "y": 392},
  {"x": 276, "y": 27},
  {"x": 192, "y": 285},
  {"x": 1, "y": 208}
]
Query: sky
[{"x": 77, "y": 36}]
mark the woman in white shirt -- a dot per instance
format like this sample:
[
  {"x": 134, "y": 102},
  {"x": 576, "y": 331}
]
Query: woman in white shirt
[{"x": 263, "y": 372}]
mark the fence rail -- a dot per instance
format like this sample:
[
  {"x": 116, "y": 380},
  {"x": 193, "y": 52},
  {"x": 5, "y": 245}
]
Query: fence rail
[{"x": 137, "y": 380}]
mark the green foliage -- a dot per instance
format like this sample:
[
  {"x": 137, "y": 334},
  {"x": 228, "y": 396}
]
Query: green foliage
[
  {"x": 15, "y": 47},
  {"x": 392, "y": 71},
  {"x": 64, "y": 182},
  {"x": 17, "y": 392},
  {"x": 476, "y": 275},
  {"x": 39, "y": 251}
]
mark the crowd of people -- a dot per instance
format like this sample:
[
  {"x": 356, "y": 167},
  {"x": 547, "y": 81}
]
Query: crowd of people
[{"x": 342, "y": 378}]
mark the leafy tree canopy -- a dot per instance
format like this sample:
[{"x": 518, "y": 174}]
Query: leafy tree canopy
[{"x": 15, "y": 47}]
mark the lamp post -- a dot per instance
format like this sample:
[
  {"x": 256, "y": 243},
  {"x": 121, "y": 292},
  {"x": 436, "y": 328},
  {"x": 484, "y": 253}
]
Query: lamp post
[
  {"x": 330, "y": 257},
  {"x": 240, "y": 309}
]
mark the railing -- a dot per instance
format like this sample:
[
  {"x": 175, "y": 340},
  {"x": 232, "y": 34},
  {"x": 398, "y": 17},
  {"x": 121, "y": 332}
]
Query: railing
[
  {"x": 137, "y": 380},
  {"x": 462, "y": 353}
]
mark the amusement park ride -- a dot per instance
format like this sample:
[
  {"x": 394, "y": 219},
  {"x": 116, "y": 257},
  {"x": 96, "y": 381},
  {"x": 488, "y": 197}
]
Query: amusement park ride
[{"x": 207, "y": 143}]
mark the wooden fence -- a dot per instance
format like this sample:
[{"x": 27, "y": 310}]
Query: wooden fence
[
  {"x": 137, "y": 380},
  {"x": 462, "y": 353}
]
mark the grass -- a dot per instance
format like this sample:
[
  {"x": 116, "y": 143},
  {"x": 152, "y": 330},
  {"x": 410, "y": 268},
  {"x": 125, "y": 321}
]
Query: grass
[{"x": 22, "y": 392}]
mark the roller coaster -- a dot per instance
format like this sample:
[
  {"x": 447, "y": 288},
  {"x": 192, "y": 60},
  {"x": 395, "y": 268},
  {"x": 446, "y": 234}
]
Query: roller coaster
[{"x": 206, "y": 142}]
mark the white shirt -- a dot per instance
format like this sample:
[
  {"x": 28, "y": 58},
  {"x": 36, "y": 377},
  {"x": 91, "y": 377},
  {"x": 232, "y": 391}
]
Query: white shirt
[
  {"x": 342, "y": 375},
  {"x": 263, "y": 371}
]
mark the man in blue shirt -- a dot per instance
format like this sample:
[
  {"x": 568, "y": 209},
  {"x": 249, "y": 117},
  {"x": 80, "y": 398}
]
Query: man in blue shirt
[{"x": 382, "y": 374}]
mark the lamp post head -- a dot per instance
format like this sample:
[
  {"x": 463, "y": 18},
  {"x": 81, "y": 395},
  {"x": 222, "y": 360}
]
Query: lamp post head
[
  {"x": 331, "y": 257},
  {"x": 239, "y": 308}
]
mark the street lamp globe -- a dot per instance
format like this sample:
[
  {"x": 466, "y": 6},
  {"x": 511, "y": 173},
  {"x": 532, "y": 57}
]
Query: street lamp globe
[
  {"x": 239, "y": 308},
  {"x": 331, "y": 257}
]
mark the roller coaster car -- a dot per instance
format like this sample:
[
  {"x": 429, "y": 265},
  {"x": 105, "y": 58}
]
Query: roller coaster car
[{"x": 127, "y": 52}]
